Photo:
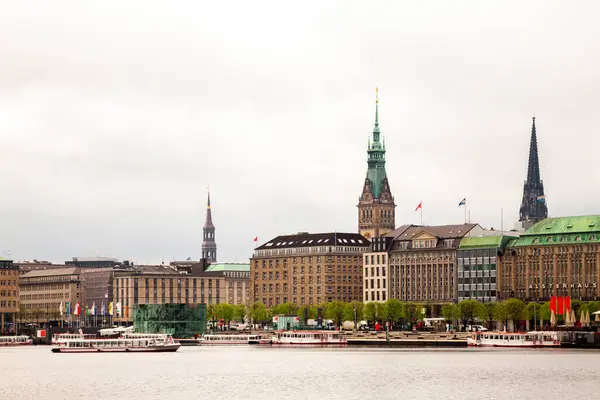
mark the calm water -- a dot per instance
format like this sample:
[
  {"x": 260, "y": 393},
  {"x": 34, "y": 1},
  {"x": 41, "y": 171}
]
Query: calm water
[{"x": 301, "y": 373}]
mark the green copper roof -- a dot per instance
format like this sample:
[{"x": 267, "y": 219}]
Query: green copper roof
[
  {"x": 376, "y": 161},
  {"x": 580, "y": 224},
  {"x": 564, "y": 230},
  {"x": 228, "y": 267},
  {"x": 470, "y": 242}
]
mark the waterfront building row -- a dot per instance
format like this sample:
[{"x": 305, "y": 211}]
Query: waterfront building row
[
  {"x": 432, "y": 264},
  {"x": 41, "y": 292}
]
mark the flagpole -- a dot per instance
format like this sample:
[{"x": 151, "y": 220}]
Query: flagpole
[
  {"x": 421, "y": 215},
  {"x": 465, "y": 211}
]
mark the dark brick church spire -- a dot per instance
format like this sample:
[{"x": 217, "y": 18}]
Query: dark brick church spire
[
  {"x": 209, "y": 246},
  {"x": 533, "y": 205}
]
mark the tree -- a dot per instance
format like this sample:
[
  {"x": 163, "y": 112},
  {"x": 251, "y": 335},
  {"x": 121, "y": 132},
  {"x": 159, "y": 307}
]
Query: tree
[
  {"x": 393, "y": 310},
  {"x": 411, "y": 313},
  {"x": 225, "y": 311},
  {"x": 545, "y": 313},
  {"x": 500, "y": 313},
  {"x": 353, "y": 312},
  {"x": 486, "y": 313},
  {"x": 310, "y": 310},
  {"x": 371, "y": 312},
  {"x": 514, "y": 310},
  {"x": 239, "y": 312},
  {"x": 335, "y": 311},
  {"x": 532, "y": 313},
  {"x": 285, "y": 309},
  {"x": 449, "y": 312},
  {"x": 468, "y": 310},
  {"x": 211, "y": 312},
  {"x": 258, "y": 312}
]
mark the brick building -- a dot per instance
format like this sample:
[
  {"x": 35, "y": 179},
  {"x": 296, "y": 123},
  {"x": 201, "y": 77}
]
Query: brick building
[
  {"x": 308, "y": 268},
  {"x": 9, "y": 294}
]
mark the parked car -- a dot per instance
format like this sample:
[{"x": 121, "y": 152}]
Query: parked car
[{"x": 476, "y": 328}]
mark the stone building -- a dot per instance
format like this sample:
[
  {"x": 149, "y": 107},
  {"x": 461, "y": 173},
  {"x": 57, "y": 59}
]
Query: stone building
[
  {"x": 416, "y": 263},
  {"x": 160, "y": 284},
  {"x": 555, "y": 257},
  {"x": 376, "y": 270},
  {"x": 533, "y": 205},
  {"x": 43, "y": 291},
  {"x": 9, "y": 294},
  {"x": 376, "y": 207},
  {"x": 308, "y": 268},
  {"x": 237, "y": 281}
]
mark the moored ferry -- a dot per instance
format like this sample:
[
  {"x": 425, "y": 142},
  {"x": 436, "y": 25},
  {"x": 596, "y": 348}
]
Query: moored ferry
[
  {"x": 506, "y": 339},
  {"x": 315, "y": 338},
  {"x": 213, "y": 340},
  {"x": 166, "y": 343},
  {"x": 63, "y": 337},
  {"x": 21, "y": 340}
]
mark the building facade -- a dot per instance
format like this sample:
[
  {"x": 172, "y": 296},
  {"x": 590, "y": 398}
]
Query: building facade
[
  {"x": 376, "y": 207},
  {"x": 43, "y": 292},
  {"x": 161, "y": 284},
  {"x": 555, "y": 257},
  {"x": 421, "y": 263},
  {"x": 376, "y": 270},
  {"x": 237, "y": 281},
  {"x": 308, "y": 268},
  {"x": 93, "y": 262},
  {"x": 533, "y": 205},
  {"x": 9, "y": 295},
  {"x": 478, "y": 266},
  {"x": 209, "y": 246}
]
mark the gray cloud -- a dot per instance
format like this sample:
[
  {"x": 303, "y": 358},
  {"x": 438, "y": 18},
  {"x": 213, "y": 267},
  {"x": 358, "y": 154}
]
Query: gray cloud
[{"x": 114, "y": 118}]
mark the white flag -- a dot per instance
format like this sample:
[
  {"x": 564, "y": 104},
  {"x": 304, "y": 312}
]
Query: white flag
[{"x": 61, "y": 308}]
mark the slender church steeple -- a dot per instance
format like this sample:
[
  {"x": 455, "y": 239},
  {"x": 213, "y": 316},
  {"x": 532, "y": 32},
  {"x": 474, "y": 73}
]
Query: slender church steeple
[
  {"x": 376, "y": 208},
  {"x": 209, "y": 246},
  {"x": 533, "y": 205}
]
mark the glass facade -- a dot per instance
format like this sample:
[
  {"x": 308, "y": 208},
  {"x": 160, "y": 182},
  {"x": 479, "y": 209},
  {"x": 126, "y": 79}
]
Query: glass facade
[
  {"x": 180, "y": 320},
  {"x": 477, "y": 274}
]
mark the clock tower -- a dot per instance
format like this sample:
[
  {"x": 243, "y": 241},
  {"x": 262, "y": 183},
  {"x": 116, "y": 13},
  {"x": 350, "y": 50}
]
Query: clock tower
[{"x": 376, "y": 207}]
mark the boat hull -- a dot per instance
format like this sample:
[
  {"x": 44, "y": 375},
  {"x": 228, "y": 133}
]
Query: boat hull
[
  {"x": 225, "y": 343},
  {"x": 158, "y": 349},
  {"x": 29, "y": 343},
  {"x": 525, "y": 346}
]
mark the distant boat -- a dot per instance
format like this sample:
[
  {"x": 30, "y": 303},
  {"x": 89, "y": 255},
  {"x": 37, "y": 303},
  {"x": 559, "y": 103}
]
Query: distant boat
[
  {"x": 315, "y": 338},
  {"x": 215, "y": 340},
  {"x": 164, "y": 343},
  {"x": 15, "y": 340},
  {"x": 506, "y": 339}
]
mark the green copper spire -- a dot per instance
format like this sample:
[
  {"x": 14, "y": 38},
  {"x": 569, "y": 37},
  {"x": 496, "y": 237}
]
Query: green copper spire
[{"x": 376, "y": 151}]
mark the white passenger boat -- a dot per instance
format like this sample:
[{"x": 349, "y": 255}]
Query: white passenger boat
[
  {"x": 15, "y": 340},
  {"x": 166, "y": 343},
  {"x": 213, "y": 340},
  {"x": 506, "y": 339},
  {"x": 62, "y": 337},
  {"x": 315, "y": 338}
]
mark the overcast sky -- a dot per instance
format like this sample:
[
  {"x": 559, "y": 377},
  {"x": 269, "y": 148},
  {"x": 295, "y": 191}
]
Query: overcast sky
[{"x": 115, "y": 116}]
